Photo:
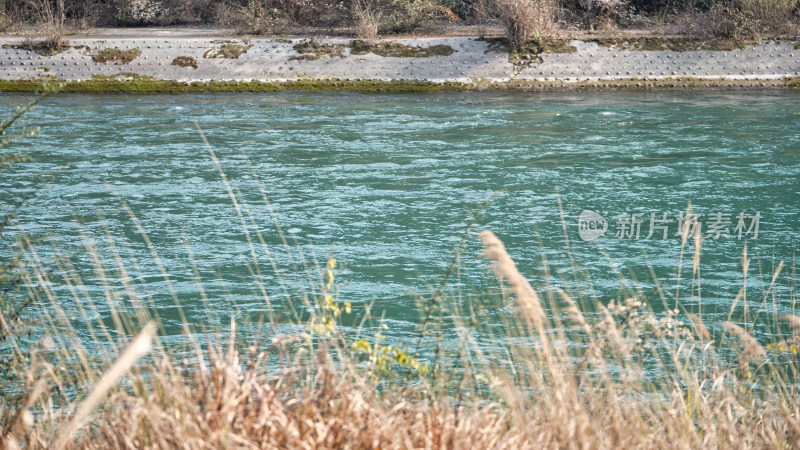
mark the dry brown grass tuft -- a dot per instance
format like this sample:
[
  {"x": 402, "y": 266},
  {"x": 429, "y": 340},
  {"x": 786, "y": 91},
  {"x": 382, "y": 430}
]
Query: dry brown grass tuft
[
  {"x": 527, "y": 20},
  {"x": 506, "y": 270},
  {"x": 751, "y": 351},
  {"x": 367, "y": 20},
  {"x": 793, "y": 320}
]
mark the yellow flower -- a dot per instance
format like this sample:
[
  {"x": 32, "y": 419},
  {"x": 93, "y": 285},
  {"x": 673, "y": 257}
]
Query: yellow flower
[{"x": 362, "y": 346}]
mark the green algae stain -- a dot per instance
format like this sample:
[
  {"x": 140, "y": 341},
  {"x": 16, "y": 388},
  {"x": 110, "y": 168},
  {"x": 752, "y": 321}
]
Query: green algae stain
[
  {"x": 495, "y": 44},
  {"x": 227, "y": 51},
  {"x": 141, "y": 84},
  {"x": 397, "y": 50},
  {"x": 311, "y": 50},
  {"x": 131, "y": 83},
  {"x": 549, "y": 46},
  {"x": 125, "y": 76},
  {"x": 532, "y": 47},
  {"x": 115, "y": 55},
  {"x": 185, "y": 61},
  {"x": 48, "y": 47},
  {"x": 675, "y": 44},
  {"x": 529, "y": 52}
]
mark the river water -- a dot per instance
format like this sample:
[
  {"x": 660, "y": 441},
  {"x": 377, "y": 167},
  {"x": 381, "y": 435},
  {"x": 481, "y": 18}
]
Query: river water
[{"x": 387, "y": 183}]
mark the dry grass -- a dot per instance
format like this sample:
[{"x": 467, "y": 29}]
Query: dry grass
[
  {"x": 770, "y": 16},
  {"x": 527, "y": 20},
  {"x": 310, "y": 390},
  {"x": 367, "y": 20},
  {"x": 561, "y": 374}
]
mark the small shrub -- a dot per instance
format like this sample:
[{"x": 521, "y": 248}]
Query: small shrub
[
  {"x": 52, "y": 46},
  {"x": 526, "y": 20},
  {"x": 750, "y": 18},
  {"x": 732, "y": 23},
  {"x": 367, "y": 20},
  {"x": 404, "y": 16},
  {"x": 772, "y": 15}
]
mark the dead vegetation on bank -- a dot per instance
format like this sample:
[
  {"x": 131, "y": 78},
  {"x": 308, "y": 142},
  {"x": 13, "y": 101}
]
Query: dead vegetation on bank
[
  {"x": 556, "y": 370},
  {"x": 47, "y": 47}
]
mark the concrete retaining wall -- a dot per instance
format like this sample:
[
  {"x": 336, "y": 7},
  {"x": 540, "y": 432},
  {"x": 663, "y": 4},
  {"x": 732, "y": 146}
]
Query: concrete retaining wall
[{"x": 473, "y": 63}]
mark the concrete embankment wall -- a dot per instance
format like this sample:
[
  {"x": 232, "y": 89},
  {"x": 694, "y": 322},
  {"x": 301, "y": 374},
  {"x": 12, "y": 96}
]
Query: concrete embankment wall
[{"x": 456, "y": 63}]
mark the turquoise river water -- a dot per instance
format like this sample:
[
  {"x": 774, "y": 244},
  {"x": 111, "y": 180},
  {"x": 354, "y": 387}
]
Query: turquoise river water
[{"x": 385, "y": 183}]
